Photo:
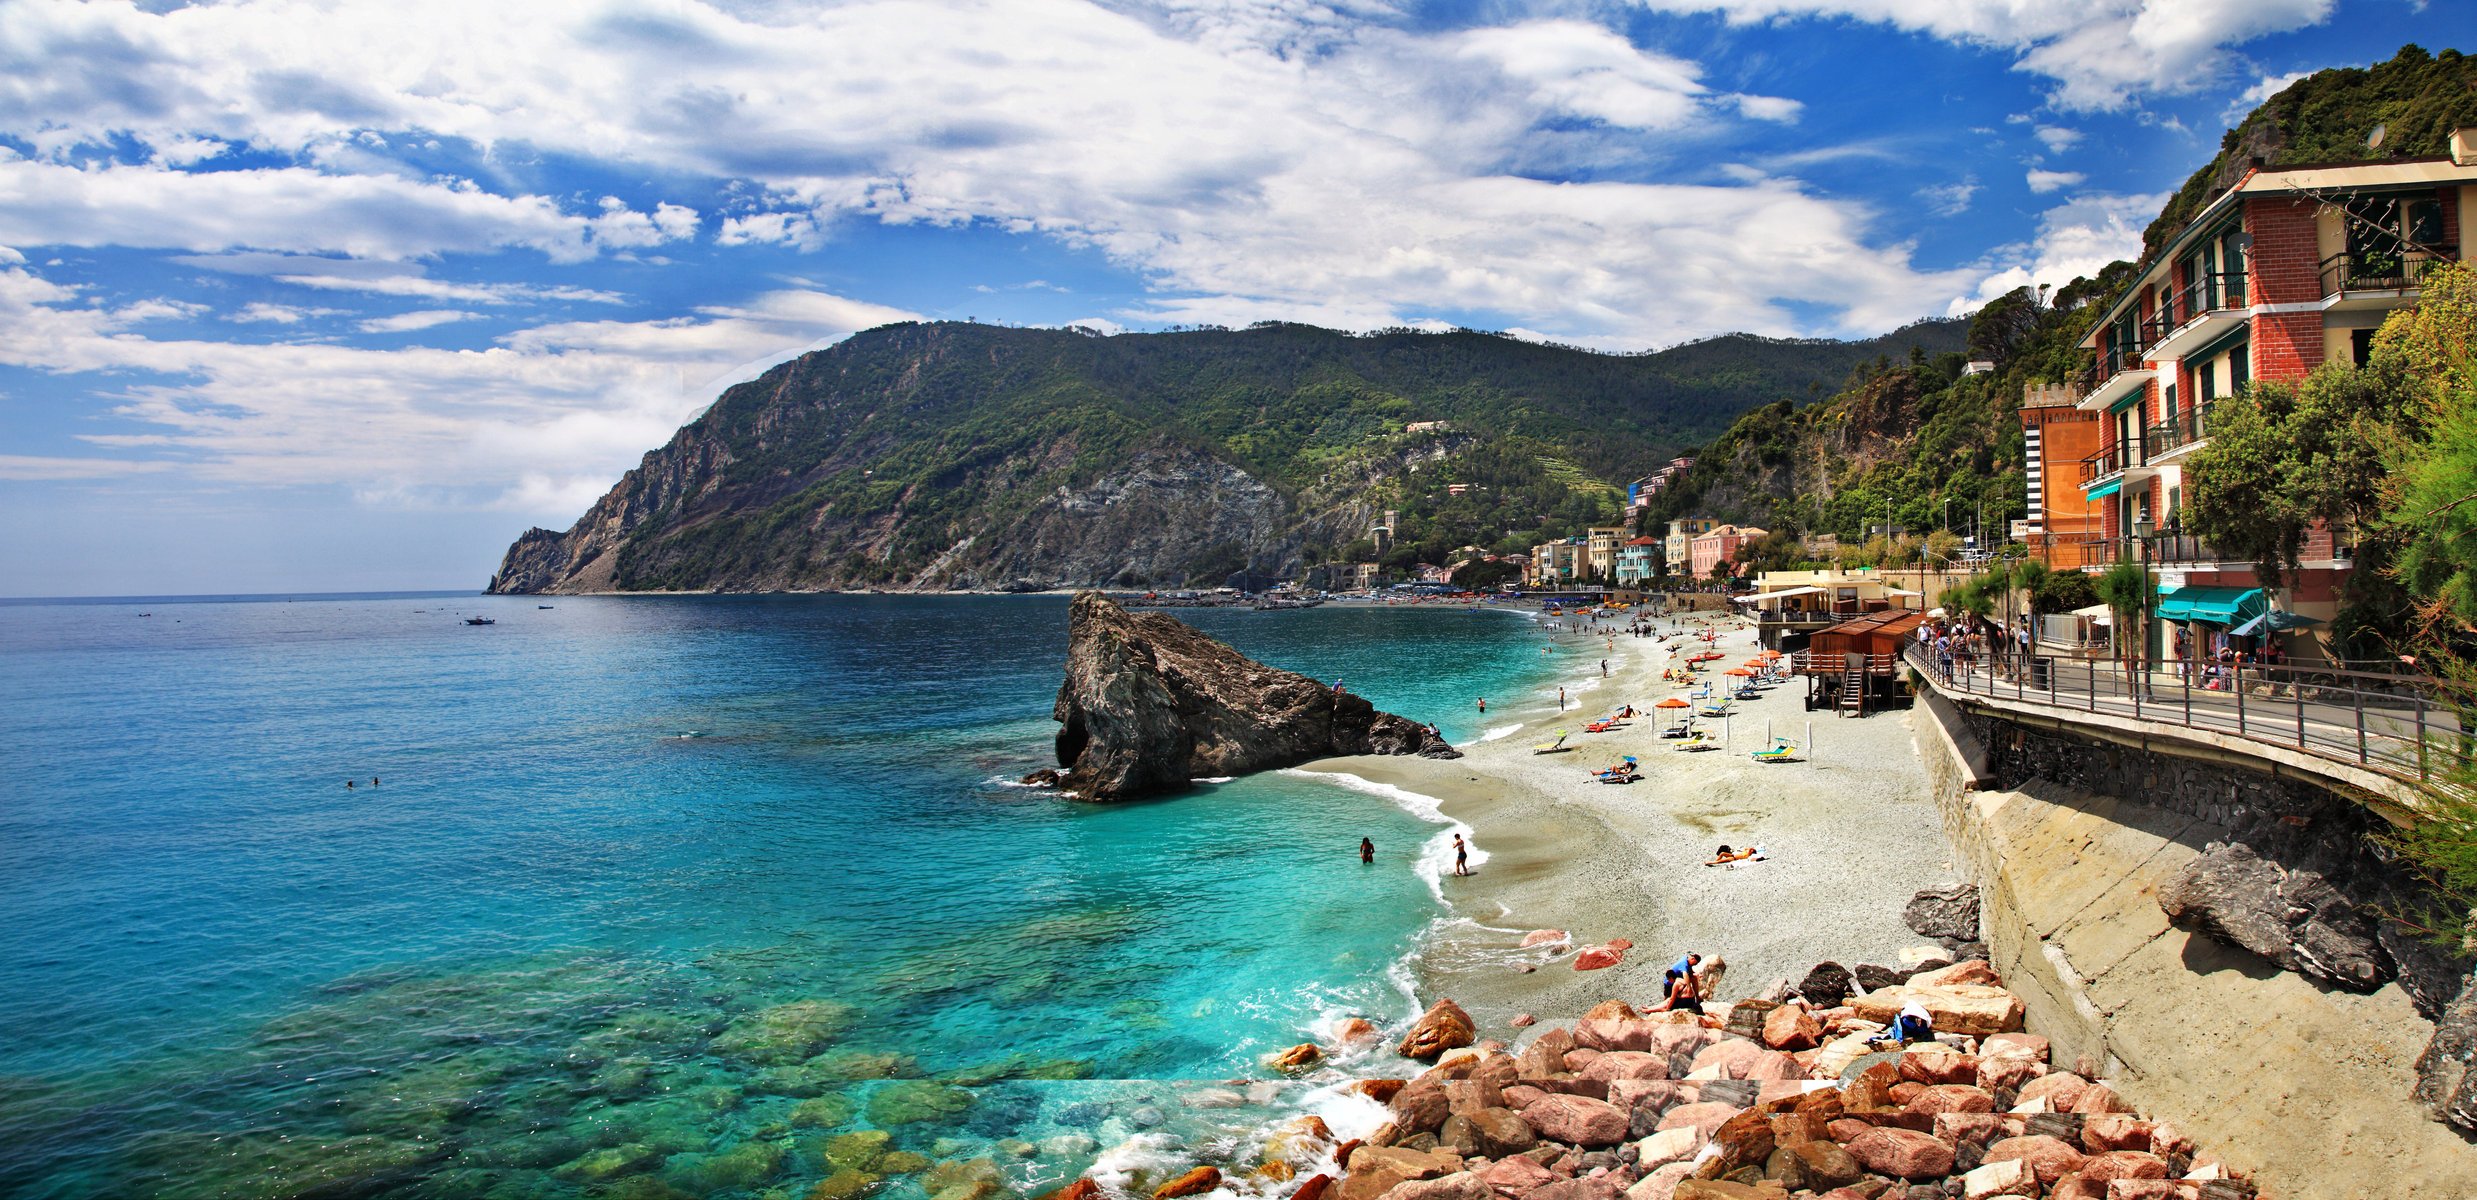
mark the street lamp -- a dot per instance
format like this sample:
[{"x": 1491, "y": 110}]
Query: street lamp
[{"x": 1947, "y": 522}]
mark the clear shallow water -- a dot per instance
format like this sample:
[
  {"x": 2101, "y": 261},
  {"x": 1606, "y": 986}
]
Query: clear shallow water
[{"x": 562, "y": 949}]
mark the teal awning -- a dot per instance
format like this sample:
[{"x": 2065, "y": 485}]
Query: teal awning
[
  {"x": 2273, "y": 621},
  {"x": 2217, "y": 605},
  {"x": 2109, "y": 488}
]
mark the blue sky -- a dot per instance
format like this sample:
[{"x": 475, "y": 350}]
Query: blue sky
[{"x": 335, "y": 296}]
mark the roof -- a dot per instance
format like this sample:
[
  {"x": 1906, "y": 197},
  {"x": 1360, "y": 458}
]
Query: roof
[{"x": 1644, "y": 541}]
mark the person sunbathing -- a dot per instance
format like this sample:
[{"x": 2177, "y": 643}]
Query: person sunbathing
[{"x": 1729, "y": 856}]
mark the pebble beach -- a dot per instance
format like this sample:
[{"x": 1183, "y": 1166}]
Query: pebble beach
[{"x": 1849, "y": 833}]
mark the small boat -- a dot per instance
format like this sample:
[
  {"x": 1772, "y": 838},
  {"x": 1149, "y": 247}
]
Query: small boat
[
  {"x": 479, "y": 621},
  {"x": 543, "y": 606}
]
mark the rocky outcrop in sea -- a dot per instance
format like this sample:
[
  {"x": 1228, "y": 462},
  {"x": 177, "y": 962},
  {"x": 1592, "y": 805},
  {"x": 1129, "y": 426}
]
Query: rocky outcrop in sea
[{"x": 1150, "y": 704}]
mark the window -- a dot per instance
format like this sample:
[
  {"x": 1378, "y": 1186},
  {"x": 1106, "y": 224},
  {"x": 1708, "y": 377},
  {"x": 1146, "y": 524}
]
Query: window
[
  {"x": 2361, "y": 346},
  {"x": 2240, "y": 367},
  {"x": 2205, "y": 381}
]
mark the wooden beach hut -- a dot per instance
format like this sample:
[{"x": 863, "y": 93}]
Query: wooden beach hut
[{"x": 1855, "y": 666}]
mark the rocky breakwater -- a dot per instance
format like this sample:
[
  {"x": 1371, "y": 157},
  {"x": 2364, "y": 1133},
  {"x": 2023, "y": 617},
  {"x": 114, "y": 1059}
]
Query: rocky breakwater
[{"x": 1150, "y": 704}]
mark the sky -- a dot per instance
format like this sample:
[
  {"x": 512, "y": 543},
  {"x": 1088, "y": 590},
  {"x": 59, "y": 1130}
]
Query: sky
[{"x": 333, "y": 296}]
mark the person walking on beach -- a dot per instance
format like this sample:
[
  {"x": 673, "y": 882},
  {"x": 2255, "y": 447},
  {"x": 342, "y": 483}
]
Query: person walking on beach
[
  {"x": 1462, "y": 856},
  {"x": 1560, "y": 699},
  {"x": 1603, "y": 668},
  {"x": 1367, "y": 851}
]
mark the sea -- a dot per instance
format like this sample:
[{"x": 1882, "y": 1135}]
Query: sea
[{"x": 671, "y": 896}]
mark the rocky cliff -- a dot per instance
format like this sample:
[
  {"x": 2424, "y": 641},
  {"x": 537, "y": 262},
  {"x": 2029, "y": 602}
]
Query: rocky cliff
[
  {"x": 936, "y": 456},
  {"x": 1150, "y": 703}
]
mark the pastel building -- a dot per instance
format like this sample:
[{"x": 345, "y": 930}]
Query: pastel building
[
  {"x": 1634, "y": 561},
  {"x": 2285, "y": 270},
  {"x": 1680, "y": 541},
  {"x": 1717, "y": 547}
]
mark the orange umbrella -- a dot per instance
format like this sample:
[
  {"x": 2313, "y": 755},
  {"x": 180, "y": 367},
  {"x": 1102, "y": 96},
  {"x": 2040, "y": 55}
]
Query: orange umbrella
[
  {"x": 1737, "y": 671},
  {"x": 1672, "y": 702}
]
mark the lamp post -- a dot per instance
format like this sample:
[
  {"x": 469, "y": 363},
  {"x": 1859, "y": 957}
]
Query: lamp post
[{"x": 1947, "y": 521}]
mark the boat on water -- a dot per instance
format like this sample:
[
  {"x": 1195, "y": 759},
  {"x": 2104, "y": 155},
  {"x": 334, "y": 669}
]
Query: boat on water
[
  {"x": 479, "y": 621},
  {"x": 545, "y": 606}
]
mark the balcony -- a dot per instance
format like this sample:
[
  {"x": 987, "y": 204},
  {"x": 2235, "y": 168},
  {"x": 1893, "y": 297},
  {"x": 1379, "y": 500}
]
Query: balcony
[
  {"x": 2357, "y": 279},
  {"x": 2207, "y": 307},
  {"x": 2117, "y": 375},
  {"x": 2177, "y": 549},
  {"x": 2073, "y": 551},
  {"x": 2175, "y": 435},
  {"x": 2109, "y": 465}
]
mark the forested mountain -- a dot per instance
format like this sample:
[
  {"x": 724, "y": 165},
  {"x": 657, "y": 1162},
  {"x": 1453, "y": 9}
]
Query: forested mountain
[
  {"x": 1926, "y": 445},
  {"x": 929, "y": 456}
]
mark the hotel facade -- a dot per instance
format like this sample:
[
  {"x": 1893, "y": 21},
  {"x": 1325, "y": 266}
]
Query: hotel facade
[{"x": 2287, "y": 269}]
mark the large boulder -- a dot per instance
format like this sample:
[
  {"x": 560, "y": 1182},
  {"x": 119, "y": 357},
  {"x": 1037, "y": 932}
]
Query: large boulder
[
  {"x": 1443, "y": 1027},
  {"x": 1901, "y": 1153},
  {"x": 1945, "y": 914},
  {"x": 1150, "y": 703},
  {"x": 1577, "y": 1120},
  {"x": 1959, "y": 1008},
  {"x": 2294, "y": 918}
]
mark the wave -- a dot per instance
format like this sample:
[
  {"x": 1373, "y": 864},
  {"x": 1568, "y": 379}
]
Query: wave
[
  {"x": 1496, "y": 732},
  {"x": 1436, "y": 857}
]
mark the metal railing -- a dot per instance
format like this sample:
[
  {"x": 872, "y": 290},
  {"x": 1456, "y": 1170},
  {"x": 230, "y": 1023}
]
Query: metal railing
[
  {"x": 2182, "y": 429},
  {"x": 2177, "y": 548},
  {"x": 2112, "y": 460},
  {"x": 2110, "y": 364},
  {"x": 2382, "y": 270},
  {"x": 2214, "y": 291},
  {"x": 2071, "y": 551},
  {"x": 2388, "y": 724}
]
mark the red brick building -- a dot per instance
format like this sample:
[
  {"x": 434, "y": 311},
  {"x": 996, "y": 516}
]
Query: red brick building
[{"x": 2290, "y": 268}]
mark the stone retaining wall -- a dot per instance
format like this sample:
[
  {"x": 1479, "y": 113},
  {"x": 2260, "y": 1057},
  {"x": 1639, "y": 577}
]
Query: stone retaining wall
[{"x": 2307, "y": 1087}]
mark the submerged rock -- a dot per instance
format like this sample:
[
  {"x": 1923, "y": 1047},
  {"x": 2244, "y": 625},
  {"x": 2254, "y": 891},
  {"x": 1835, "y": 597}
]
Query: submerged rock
[{"x": 1150, "y": 704}]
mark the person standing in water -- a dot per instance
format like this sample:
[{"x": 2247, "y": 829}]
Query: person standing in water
[
  {"x": 1560, "y": 699},
  {"x": 1367, "y": 850},
  {"x": 1483, "y": 704},
  {"x": 1462, "y": 856}
]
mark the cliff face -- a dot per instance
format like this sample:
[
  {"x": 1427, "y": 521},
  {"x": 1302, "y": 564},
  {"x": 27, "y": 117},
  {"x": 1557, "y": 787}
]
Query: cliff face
[
  {"x": 1150, "y": 703},
  {"x": 939, "y": 456}
]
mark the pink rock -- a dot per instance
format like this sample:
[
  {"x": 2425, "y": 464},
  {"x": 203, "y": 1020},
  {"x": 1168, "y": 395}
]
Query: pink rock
[
  {"x": 1614, "y": 1033},
  {"x": 1973, "y": 971},
  {"x": 2049, "y": 1158},
  {"x": 1791, "y": 1028},
  {"x": 1620, "y": 944},
  {"x": 1951, "y": 1098},
  {"x": 1703, "y": 1119},
  {"x": 2096, "y": 1099},
  {"x": 1957, "y": 1127},
  {"x": 1661, "y": 1184},
  {"x": 1627, "y": 1064},
  {"x": 1658, "y": 1095},
  {"x": 2058, "y": 1088},
  {"x": 1941, "y": 1064},
  {"x": 2013, "y": 1045},
  {"x": 1733, "y": 1056},
  {"x": 2143, "y": 1189},
  {"x": 1904, "y": 1153},
  {"x": 2115, "y": 1131},
  {"x": 1596, "y": 958},
  {"x": 1523, "y": 1021},
  {"x": 2123, "y": 1164},
  {"x": 1545, "y": 937},
  {"x": 1516, "y": 1176},
  {"x": 1577, "y": 1120},
  {"x": 1990, "y": 1180},
  {"x": 1521, "y": 1095},
  {"x": 1995, "y": 1074},
  {"x": 1683, "y": 1038},
  {"x": 1580, "y": 1058},
  {"x": 2166, "y": 1139},
  {"x": 1772, "y": 1066},
  {"x": 1780, "y": 1089},
  {"x": 1460, "y": 1185}
]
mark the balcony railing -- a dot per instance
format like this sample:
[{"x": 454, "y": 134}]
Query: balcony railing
[
  {"x": 2383, "y": 270},
  {"x": 2215, "y": 291},
  {"x": 2172, "y": 547},
  {"x": 2073, "y": 551},
  {"x": 2175, "y": 433},
  {"x": 2113, "y": 460}
]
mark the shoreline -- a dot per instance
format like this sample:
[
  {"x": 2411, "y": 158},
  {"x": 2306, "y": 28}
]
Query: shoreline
[{"x": 1850, "y": 835}]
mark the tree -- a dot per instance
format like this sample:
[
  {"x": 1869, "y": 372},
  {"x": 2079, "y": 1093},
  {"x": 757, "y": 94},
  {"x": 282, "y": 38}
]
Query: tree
[
  {"x": 2433, "y": 509},
  {"x": 2064, "y": 591},
  {"x": 2129, "y": 590}
]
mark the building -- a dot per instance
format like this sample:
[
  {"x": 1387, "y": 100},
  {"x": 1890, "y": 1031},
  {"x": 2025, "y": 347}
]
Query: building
[
  {"x": 1680, "y": 540},
  {"x": 1600, "y": 546},
  {"x": 1381, "y": 533},
  {"x": 1558, "y": 563},
  {"x": 1637, "y": 561},
  {"x": 1716, "y": 548},
  {"x": 2287, "y": 269},
  {"x": 2063, "y": 528}
]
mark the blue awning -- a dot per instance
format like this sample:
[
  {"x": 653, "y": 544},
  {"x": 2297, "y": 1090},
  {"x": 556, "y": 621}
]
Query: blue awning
[
  {"x": 2217, "y": 605},
  {"x": 2109, "y": 488}
]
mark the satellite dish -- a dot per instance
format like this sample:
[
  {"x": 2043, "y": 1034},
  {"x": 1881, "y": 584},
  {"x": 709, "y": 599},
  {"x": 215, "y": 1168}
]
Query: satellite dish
[{"x": 2373, "y": 141}]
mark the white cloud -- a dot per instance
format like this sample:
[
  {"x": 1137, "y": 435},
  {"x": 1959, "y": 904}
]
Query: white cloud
[
  {"x": 2058, "y": 139},
  {"x": 1289, "y": 159},
  {"x": 2075, "y": 239},
  {"x": 546, "y": 413},
  {"x": 408, "y": 322},
  {"x": 30, "y": 466},
  {"x": 383, "y": 279},
  {"x": 1950, "y": 199},
  {"x": 299, "y": 210},
  {"x": 262, "y": 313},
  {"x": 2101, "y": 54},
  {"x": 2043, "y": 182},
  {"x": 2252, "y": 97}
]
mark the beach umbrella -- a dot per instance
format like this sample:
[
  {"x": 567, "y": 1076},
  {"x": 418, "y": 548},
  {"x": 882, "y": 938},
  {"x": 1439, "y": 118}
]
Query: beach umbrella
[
  {"x": 1738, "y": 671},
  {"x": 1672, "y": 702}
]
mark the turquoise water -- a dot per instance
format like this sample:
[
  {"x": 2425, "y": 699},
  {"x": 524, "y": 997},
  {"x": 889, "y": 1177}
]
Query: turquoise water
[{"x": 655, "y": 896}]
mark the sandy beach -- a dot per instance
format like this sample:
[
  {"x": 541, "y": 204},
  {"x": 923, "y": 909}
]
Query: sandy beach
[{"x": 1849, "y": 835}]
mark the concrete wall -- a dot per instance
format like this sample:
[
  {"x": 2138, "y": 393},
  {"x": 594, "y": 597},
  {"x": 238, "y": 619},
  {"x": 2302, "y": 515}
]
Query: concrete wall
[{"x": 2305, "y": 1088}]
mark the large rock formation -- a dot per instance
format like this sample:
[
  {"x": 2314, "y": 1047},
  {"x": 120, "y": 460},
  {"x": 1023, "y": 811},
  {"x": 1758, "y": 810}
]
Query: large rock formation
[
  {"x": 2294, "y": 918},
  {"x": 1150, "y": 703}
]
